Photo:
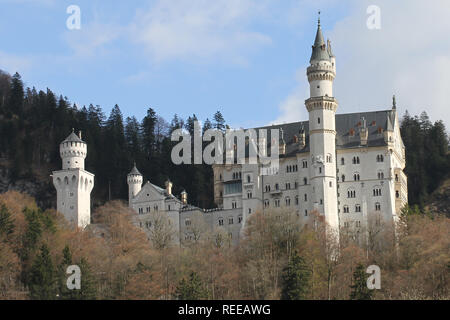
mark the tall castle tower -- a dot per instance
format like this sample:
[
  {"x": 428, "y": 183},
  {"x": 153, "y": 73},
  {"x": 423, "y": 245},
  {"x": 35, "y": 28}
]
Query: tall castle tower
[
  {"x": 74, "y": 184},
  {"x": 134, "y": 180},
  {"x": 322, "y": 110}
]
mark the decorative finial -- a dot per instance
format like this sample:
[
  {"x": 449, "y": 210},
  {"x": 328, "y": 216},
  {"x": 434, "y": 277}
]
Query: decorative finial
[
  {"x": 318, "y": 21},
  {"x": 394, "y": 103},
  {"x": 73, "y": 130}
]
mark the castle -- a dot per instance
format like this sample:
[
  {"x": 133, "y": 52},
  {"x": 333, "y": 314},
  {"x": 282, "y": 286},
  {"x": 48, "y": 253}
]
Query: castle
[{"x": 347, "y": 168}]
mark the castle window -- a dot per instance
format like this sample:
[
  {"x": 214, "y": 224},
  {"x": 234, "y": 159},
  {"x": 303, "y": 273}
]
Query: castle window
[
  {"x": 240, "y": 217},
  {"x": 305, "y": 164},
  {"x": 220, "y": 221},
  {"x": 351, "y": 193},
  {"x": 155, "y": 208},
  {"x": 267, "y": 188},
  {"x": 355, "y": 160},
  {"x": 306, "y": 213},
  {"x": 343, "y": 178},
  {"x": 234, "y": 205},
  {"x": 248, "y": 179},
  {"x": 396, "y": 177},
  {"x": 318, "y": 120},
  {"x": 288, "y": 201},
  {"x": 187, "y": 222},
  {"x": 296, "y": 200},
  {"x": 320, "y": 169},
  {"x": 329, "y": 158},
  {"x": 148, "y": 209},
  {"x": 358, "y": 208},
  {"x": 377, "y": 206},
  {"x": 305, "y": 181},
  {"x": 288, "y": 186},
  {"x": 346, "y": 209},
  {"x": 249, "y": 195},
  {"x": 277, "y": 187},
  {"x": 321, "y": 201},
  {"x": 342, "y": 161},
  {"x": 397, "y": 194},
  {"x": 306, "y": 197},
  {"x": 266, "y": 203},
  {"x": 377, "y": 192},
  {"x": 380, "y": 175},
  {"x": 141, "y": 210},
  {"x": 380, "y": 158},
  {"x": 230, "y": 220},
  {"x": 331, "y": 184},
  {"x": 358, "y": 223},
  {"x": 277, "y": 203},
  {"x": 356, "y": 176}
]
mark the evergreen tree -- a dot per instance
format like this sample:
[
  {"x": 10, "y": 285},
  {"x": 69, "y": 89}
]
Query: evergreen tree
[
  {"x": 359, "y": 286},
  {"x": 191, "y": 289},
  {"x": 42, "y": 282},
  {"x": 219, "y": 121},
  {"x": 296, "y": 279}
]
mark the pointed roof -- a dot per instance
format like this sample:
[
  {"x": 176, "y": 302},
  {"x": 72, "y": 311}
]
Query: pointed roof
[
  {"x": 135, "y": 171},
  {"x": 319, "y": 50},
  {"x": 73, "y": 138}
]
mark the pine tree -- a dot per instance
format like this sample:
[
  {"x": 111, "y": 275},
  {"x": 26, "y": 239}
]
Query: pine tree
[
  {"x": 219, "y": 121},
  {"x": 42, "y": 282},
  {"x": 296, "y": 279},
  {"x": 191, "y": 289},
  {"x": 359, "y": 286}
]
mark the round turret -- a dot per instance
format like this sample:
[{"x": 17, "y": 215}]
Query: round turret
[
  {"x": 134, "y": 180},
  {"x": 73, "y": 151}
]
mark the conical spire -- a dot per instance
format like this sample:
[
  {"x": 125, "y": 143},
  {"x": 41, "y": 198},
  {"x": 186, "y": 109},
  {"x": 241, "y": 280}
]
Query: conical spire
[
  {"x": 135, "y": 171},
  {"x": 319, "y": 50}
]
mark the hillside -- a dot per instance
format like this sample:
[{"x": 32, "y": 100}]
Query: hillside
[{"x": 439, "y": 200}]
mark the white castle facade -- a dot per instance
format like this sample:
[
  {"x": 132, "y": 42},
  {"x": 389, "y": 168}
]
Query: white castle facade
[
  {"x": 74, "y": 184},
  {"x": 345, "y": 168}
]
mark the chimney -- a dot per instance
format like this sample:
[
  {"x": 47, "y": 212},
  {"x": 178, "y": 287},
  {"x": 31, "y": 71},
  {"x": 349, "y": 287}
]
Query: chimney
[
  {"x": 169, "y": 187},
  {"x": 363, "y": 132},
  {"x": 302, "y": 138},
  {"x": 184, "y": 197}
]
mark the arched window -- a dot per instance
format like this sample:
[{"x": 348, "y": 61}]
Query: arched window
[
  {"x": 306, "y": 197},
  {"x": 376, "y": 191},
  {"x": 377, "y": 206},
  {"x": 351, "y": 193},
  {"x": 343, "y": 178},
  {"x": 342, "y": 161},
  {"x": 220, "y": 221},
  {"x": 346, "y": 209},
  {"x": 305, "y": 181},
  {"x": 356, "y": 176},
  {"x": 357, "y": 208},
  {"x": 249, "y": 195},
  {"x": 397, "y": 194},
  {"x": 287, "y": 201},
  {"x": 380, "y": 158},
  {"x": 296, "y": 200},
  {"x": 380, "y": 175},
  {"x": 249, "y": 179},
  {"x": 329, "y": 158}
]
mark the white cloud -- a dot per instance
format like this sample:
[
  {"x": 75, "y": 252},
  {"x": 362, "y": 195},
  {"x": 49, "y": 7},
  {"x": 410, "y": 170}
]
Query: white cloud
[
  {"x": 198, "y": 29},
  {"x": 409, "y": 57},
  {"x": 92, "y": 38}
]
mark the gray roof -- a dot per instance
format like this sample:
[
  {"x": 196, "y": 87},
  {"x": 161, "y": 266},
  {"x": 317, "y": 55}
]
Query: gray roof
[
  {"x": 319, "y": 49},
  {"x": 73, "y": 138},
  {"x": 344, "y": 123},
  {"x": 135, "y": 171}
]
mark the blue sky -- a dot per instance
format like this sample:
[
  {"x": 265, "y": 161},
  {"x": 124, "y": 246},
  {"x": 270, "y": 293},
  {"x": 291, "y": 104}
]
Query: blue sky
[{"x": 246, "y": 58}]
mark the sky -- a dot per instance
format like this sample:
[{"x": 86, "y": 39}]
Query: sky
[{"x": 246, "y": 58}]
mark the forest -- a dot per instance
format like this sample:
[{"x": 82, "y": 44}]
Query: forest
[
  {"x": 277, "y": 259},
  {"x": 32, "y": 125}
]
